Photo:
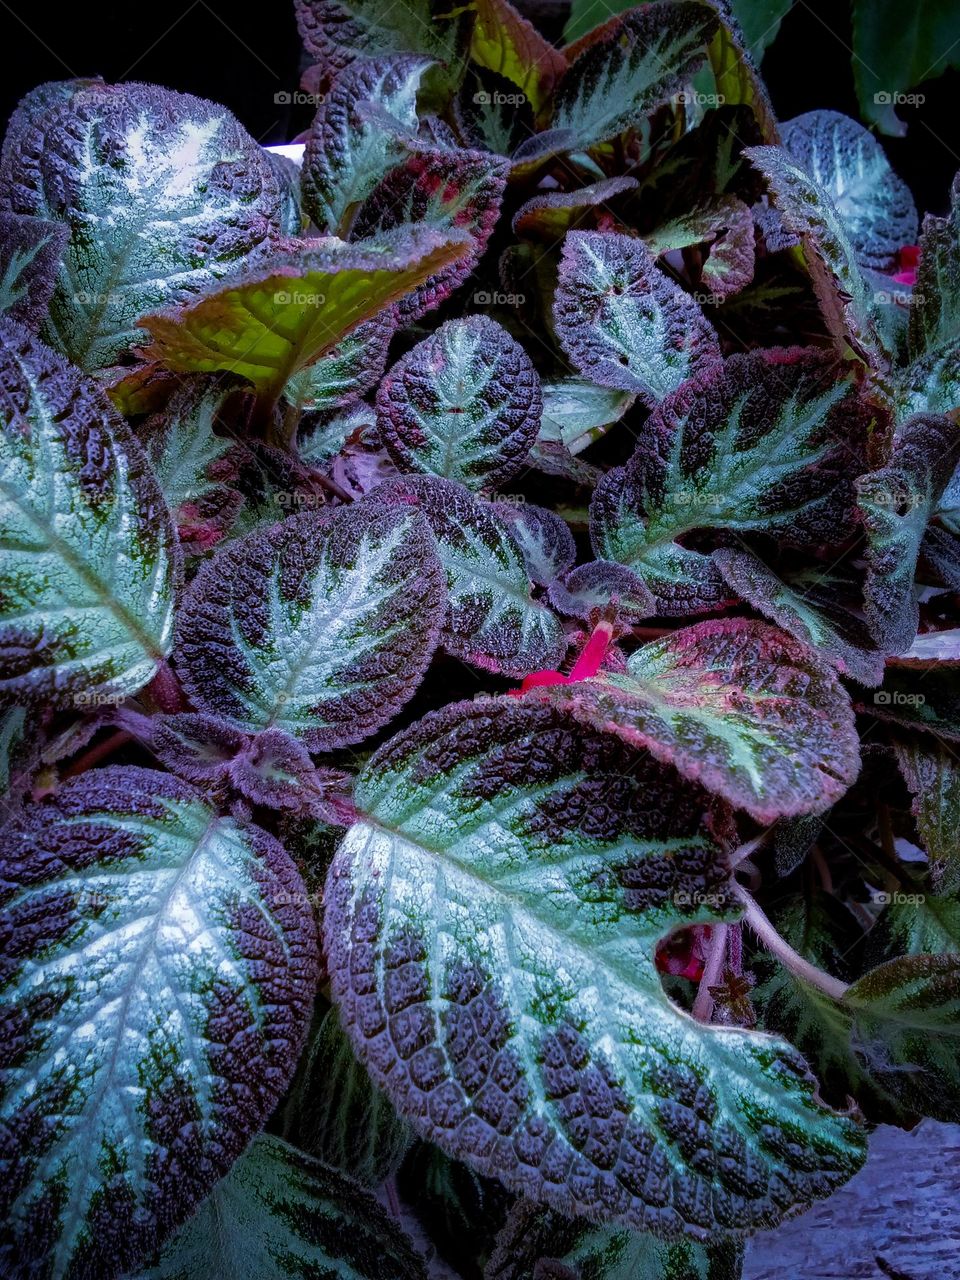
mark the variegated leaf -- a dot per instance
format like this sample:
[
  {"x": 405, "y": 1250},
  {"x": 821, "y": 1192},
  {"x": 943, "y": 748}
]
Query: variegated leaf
[{"x": 30, "y": 253}]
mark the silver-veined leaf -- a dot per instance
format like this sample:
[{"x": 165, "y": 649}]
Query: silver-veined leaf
[{"x": 30, "y": 253}]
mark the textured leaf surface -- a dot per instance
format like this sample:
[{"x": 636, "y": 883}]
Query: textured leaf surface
[
  {"x": 600, "y": 584},
  {"x": 761, "y": 443},
  {"x": 725, "y": 229},
  {"x": 848, "y": 162},
  {"x": 163, "y": 194},
  {"x": 278, "y": 317},
  {"x": 464, "y": 404},
  {"x": 281, "y": 1215},
  {"x": 320, "y": 626},
  {"x": 736, "y": 705},
  {"x": 338, "y": 31},
  {"x": 346, "y": 371},
  {"x": 896, "y": 503},
  {"x": 505, "y": 42},
  {"x": 89, "y": 563},
  {"x": 326, "y": 436},
  {"x": 444, "y": 190},
  {"x": 349, "y": 147},
  {"x": 526, "y": 1031},
  {"x": 159, "y": 965},
  {"x": 932, "y": 772},
  {"x": 491, "y": 620},
  {"x": 932, "y": 381},
  {"x": 550, "y": 215},
  {"x": 576, "y": 412},
  {"x": 545, "y": 539},
  {"x": 30, "y": 253}
]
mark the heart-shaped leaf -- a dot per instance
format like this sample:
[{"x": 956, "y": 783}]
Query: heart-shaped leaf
[
  {"x": 159, "y": 965},
  {"x": 736, "y": 705},
  {"x": 465, "y": 404},
  {"x": 322, "y": 626},
  {"x": 89, "y": 567},
  {"x": 504, "y": 992},
  {"x": 623, "y": 323}
]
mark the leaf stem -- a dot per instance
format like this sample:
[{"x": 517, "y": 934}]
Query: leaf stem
[
  {"x": 782, "y": 949},
  {"x": 703, "y": 1002}
]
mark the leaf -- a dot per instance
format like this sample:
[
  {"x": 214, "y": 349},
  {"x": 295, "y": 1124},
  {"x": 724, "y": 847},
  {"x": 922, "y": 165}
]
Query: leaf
[
  {"x": 90, "y": 561},
  {"x": 159, "y": 967},
  {"x": 628, "y": 68},
  {"x": 341, "y": 1117},
  {"x": 927, "y": 699},
  {"x": 281, "y": 1215},
  {"x": 623, "y": 323},
  {"x": 350, "y": 148},
  {"x": 896, "y": 503},
  {"x": 321, "y": 626},
  {"x": 932, "y": 772},
  {"x": 736, "y": 705},
  {"x": 505, "y": 42},
  {"x": 848, "y": 162},
  {"x": 346, "y": 371},
  {"x": 275, "y": 318},
  {"x": 492, "y": 621},
  {"x": 30, "y": 253},
  {"x": 464, "y": 403},
  {"x": 194, "y": 466},
  {"x": 337, "y": 32},
  {"x": 896, "y": 48},
  {"x": 932, "y": 381},
  {"x": 543, "y": 537},
  {"x": 725, "y": 227},
  {"x": 287, "y": 173},
  {"x": 576, "y": 412},
  {"x": 451, "y": 192},
  {"x": 600, "y": 584},
  {"x": 504, "y": 994},
  {"x": 323, "y": 439},
  {"x": 816, "y": 608},
  {"x": 164, "y": 194},
  {"x": 760, "y": 22},
  {"x": 550, "y": 215},
  {"x": 760, "y": 443}
]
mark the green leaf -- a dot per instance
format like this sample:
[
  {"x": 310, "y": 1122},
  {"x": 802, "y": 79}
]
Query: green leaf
[
  {"x": 897, "y": 47},
  {"x": 932, "y": 772},
  {"x": 549, "y": 215},
  {"x": 576, "y": 412},
  {"x": 492, "y": 620},
  {"x": 725, "y": 228},
  {"x": 281, "y": 315},
  {"x": 158, "y": 973},
  {"x": 30, "y": 254},
  {"x": 464, "y": 404},
  {"x": 336, "y": 32},
  {"x": 932, "y": 381},
  {"x": 90, "y": 561},
  {"x": 736, "y": 705},
  {"x": 281, "y": 1215},
  {"x": 322, "y": 626},
  {"x": 625, "y": 324},
  {"x": 163, "y": 195},
  {"x": 504, "y": 991},
  {"x": 760, "y": 22},
  {"x": 504, "y": 41},
  {"x": 346, "y": 371}
]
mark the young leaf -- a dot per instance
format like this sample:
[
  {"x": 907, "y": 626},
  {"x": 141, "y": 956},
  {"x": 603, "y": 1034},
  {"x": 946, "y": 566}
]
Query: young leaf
[
  {"x": 465, "y": 404},
  {"x": 505, "y": 995},
  {"x": 623, "y": 323},
  {"x": 281, "y": 1215},
  {"x": 492, "y": 620},
  {"x": 736, "y": 705},
  {"x": 725, "y": 228},
  {"x": 544, "y": 538},
  {"x": 30, "y": 254},
  {"x": 576, "y": 412},
  {"x": 349, "y": 147},
  {"x": 159, "y": 964},
  {"x": 163, "y": 194},
  {"x": 322, "y": 626},
  {"x": 600, "y": 584},
  {"x": 762, "y": 443},
  {"x": 848, "y": 162},
  {"x": 896, "y": 503},
  {"x": 278, "y": 316},
  {"x": 90, "y": 561},
  {"x": 448, "y": 191}
]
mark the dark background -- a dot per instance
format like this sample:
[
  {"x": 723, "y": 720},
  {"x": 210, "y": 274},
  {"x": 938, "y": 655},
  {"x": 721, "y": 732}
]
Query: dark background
[{"x": 243, "y": 54}]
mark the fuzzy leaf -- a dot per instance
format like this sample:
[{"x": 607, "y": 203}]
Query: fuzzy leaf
[
  {"x": 623, "y": 323},
  {"x": 932, "y": 772},
  {"x": 492, "y": 620},
  {"x": 30, "y": 254},
  {"x": 600, "y": 584},
  {"x": 321, "y": 626},
  {"x": 725, "y": 227},
  {"x": 848, "y": 162},
  {"x": 163, "y": 193},
  {"x": 275, "y": 318},
  {"x": 577, "y": 412},
  {"x": 322, "y": 439},
  {"x": 549, "y": 215},
  {"x": 450, "y": 191},
  {"x": 544, "y": 538},
  {"x": 281, "y": 1215},
  {"x": 349, "y": 147},
  {"x": 525, "y": 1030},
  {"x": 464, "y": 403},
  {"x": 504, "y": 41},
  {"x": 158, "y": 972},
  {"x": 346, "y": 371},
  {"x": 815, "y": 607},
  {"x": 932, "y": 381},
  {"x": 736, "y": 705},
  {"x": 339, "y": 31},
  {"x": 89, "y": 567},
  {"x": 896, "y": 503},
  {"x": 761, "y": 443}
]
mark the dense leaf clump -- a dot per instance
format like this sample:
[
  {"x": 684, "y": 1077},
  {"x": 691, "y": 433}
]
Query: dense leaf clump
[{"x": 479, "y": 659}]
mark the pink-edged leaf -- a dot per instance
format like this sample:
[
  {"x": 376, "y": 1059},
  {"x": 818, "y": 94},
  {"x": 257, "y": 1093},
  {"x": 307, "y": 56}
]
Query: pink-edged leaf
[
  {"x": 443, "y": 190},
  {"x": 544, "y": 538},
  {"x": 30, "y": 254},
  {"x": 464, "y": 404},
  {"x": 600, "y": 584},
  {"x": 503, "y": 41},
  {"x": 320, "y": 625},
  {"x": 550, "y": 215},
  {"x": 623, "y": 323},
  {"x": 736, "y": 705},
  {"x": 492, "y": 619}
]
